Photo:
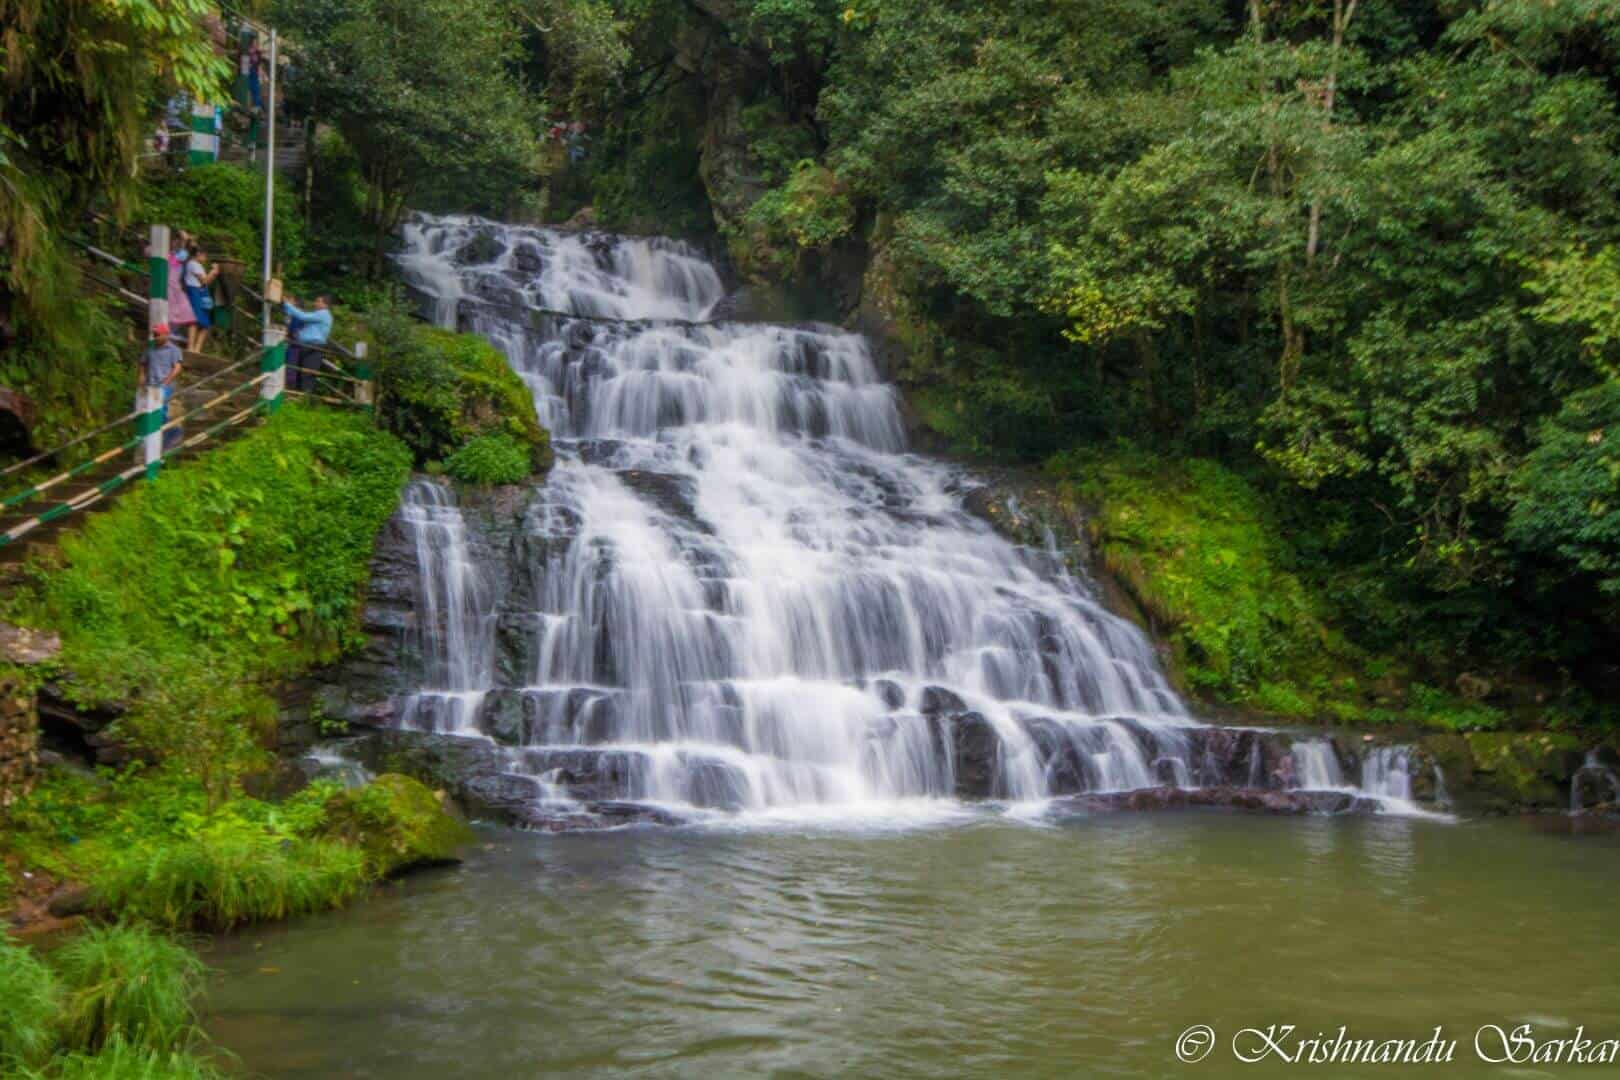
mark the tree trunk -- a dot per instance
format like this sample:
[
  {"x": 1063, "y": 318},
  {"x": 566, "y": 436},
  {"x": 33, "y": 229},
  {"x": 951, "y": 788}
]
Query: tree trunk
[{"x": 1342, "y": 14}]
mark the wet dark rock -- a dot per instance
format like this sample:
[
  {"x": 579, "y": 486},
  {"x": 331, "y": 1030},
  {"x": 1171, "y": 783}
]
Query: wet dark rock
[
  {"x": 937, "y": 700},
  {"x": 70, "y": 900},
  {"x": 890, "y": 693},
  {"x": 670, "y": 493},
  {"x": 483, "y": 248},
  {"x": 1225, "y": 798},
  {"x": 975, "y": 750}
]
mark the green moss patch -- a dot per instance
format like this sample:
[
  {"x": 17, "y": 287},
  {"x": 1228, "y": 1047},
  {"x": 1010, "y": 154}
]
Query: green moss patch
[{"x": 398, "y": 823}]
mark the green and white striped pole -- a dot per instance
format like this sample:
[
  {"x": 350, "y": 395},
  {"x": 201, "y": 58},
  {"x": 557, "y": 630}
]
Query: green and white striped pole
[
  {"x": 273, "y": 363},
  {"x": 204, "y": 135},
  {"x": 149, "y": 399}
]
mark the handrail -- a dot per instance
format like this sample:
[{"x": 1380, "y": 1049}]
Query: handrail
[{"x": 37, "y": 458}]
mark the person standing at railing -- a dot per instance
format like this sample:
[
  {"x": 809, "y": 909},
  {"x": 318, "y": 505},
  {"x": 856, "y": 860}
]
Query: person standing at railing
[
  {"x": 309, "y": 331},
  {"x": 181, "y": 318},
  {"x": 197, "y": 278},
  {"x": 161, "y": 365}
]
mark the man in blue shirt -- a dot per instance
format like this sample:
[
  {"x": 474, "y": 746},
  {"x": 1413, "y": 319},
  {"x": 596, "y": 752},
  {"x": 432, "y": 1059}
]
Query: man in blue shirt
[{"x": 308, "y": 330}]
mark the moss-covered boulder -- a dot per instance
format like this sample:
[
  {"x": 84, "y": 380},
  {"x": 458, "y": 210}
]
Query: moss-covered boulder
[
  {"x": 398, "y": 823},
  {"x": 439, "y": 390}
]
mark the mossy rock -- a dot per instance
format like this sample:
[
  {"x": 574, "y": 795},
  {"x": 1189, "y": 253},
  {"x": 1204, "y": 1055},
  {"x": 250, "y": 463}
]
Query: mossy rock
[
  {"x": 1506, "y": 772},
  {"x": 398, "y": 823},
  {"x": 437, "y": 390}
]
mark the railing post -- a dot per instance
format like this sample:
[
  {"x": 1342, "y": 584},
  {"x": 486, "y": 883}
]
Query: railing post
[
  {"x": 204, "y": 135},
  {"x": 365, "y": 393},
  {"x": 157, "y": 263},
  {"x": 149, "y": 399},
  {"x": 274, "y": 364}
]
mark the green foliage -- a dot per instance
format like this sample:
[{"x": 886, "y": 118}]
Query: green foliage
[
  {"x": 490, "y": 459},
  {"x": 1197, "y": 548},
  {"x": 71, "y": 356},
  {"x": 807, "y": 212},
  {"x": 437, "y": 390},
  {"x": 76, "y": 98},
  {"x": 228, "y": 200},
  {"x": 250, "y": 554},
  {"x": 28, "y": 1022},
  {"x": 1566, "y": 498},
  {"x": 130, "y": 984},
  {"x": 431, "y": 108}
]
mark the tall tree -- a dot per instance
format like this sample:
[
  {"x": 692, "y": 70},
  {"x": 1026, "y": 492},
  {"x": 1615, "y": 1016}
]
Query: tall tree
[{"x": 424, "y": 91}]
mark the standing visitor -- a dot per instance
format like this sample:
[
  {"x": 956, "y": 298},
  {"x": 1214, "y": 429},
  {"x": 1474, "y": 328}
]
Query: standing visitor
[
  {"x": 197, "y": 277},
  {"x": 161, "y": 364},
  {"x": 309, "y": 331},
  {"x": 181, "y": 317},
  {"x": 255, "y": 65}
]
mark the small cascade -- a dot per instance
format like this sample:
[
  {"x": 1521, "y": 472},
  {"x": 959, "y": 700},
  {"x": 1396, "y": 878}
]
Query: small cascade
[
  {"x": 1316, "y": 766},
  {"x": 1594, "y": 784},
  {"x": 455, "y": 615},
  {"x": 737, "y": 593},
  {"x": 1386, "y": 773}
]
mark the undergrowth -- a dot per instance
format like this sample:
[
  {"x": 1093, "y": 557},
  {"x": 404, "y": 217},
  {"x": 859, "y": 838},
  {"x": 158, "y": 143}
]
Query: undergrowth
[
  {"x": 114, "y": 1002},
  {"x": 1197, "y": 548}
]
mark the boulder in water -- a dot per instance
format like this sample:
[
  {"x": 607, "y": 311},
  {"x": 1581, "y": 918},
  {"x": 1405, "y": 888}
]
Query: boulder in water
[{"x": 397, "y": 823}]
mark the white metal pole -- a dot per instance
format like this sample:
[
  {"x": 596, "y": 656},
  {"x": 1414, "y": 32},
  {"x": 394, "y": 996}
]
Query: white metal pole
[{"x": 269, "y": 190}]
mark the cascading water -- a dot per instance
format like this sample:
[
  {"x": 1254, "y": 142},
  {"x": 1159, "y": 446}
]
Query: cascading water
[
  {"x": 746, "y": 596},
  {"x": 455, "y": 614}
]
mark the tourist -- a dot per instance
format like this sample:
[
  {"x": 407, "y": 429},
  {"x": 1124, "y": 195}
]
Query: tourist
[
  {"x": 181, "y": 318},
  {"x": 197, "y": 277},
  {"x": 309, "y": 331},
  {"x": 255, "y": 68},
  {"x": 161, "y": 365}
]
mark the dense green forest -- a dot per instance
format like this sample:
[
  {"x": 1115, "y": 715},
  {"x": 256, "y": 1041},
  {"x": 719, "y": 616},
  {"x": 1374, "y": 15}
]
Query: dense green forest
[
  {"x": 1362, "y": 256},
  {"x": 1361, "y": 253}
]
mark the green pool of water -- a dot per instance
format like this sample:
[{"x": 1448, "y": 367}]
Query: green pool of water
[{"x": 982, "y": 949}]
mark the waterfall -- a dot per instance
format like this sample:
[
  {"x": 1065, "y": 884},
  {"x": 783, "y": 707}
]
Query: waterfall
[
  {"x": 746, "y": 595},
  {"x": 455, "y": 614},
  {"x": 1316, "y": 766}
]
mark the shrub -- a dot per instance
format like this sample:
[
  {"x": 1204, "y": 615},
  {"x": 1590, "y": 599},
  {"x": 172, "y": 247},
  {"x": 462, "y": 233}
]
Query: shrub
[
  {"x": 118, "y": 1060},
  {"x": 225, "y": 200},
  {"x": 437, "y": 390},
  {"x": 490, "y": 459},
  {"x": 229, "y": 877},
  {"x": 29, "y": 998},
  {"x": 129, "y": 985}
]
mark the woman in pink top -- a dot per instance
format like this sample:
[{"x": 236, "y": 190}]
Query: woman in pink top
[{"x": 180, "y": 313}]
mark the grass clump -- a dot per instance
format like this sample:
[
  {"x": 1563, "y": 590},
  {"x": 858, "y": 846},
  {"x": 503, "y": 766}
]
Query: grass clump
[
  {"x": 115, "y": 1003},
  {"x": 131, "y": 985},
  {"x": 29, "y": 1001},
  {"x": 119, "y": 1060},
  {"x": 490, "y": 459},
  {"x": 226, "y": 880}
]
